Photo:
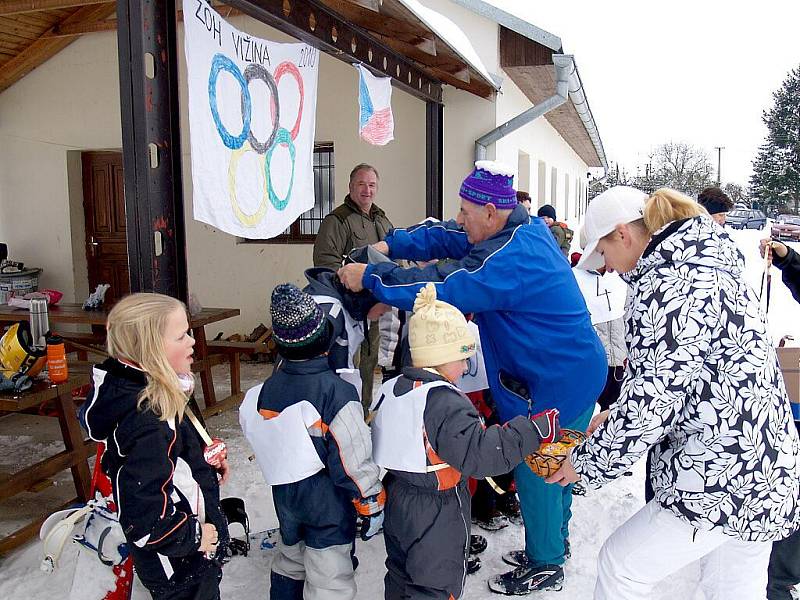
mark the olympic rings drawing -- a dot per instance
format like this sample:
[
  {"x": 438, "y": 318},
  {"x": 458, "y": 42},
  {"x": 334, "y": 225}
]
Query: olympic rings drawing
[
  {"x": 223, "y": 63},
  {"x": 287, "y": 67},
  {"x": 246, "y": 141},
  {"x": 248, "y": 220},
  {"x": 258, "y": 72},
  {"x": 283, "y": 137}
]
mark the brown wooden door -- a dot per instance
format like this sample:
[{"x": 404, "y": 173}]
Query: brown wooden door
[{"x": 104, "y": 208}]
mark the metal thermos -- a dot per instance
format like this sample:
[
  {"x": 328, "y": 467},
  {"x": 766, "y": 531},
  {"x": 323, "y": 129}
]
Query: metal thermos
[{"x": 40, "y": 324}]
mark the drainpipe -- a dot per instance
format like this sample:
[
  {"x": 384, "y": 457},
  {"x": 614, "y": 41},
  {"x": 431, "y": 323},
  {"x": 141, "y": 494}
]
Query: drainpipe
[{"x": 568, "y": 85}]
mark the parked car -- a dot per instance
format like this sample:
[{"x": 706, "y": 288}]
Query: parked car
[
  {"x": 786, "y": 227},
  {"x": 746, "y": 219}
]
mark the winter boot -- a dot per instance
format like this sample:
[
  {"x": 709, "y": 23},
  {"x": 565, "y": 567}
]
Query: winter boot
[
  {"x": 518, "y": 558},
  {"x": 527, "y": 579},
  {"x": 233, "y": 509},
  {"x": 477, "y": 544},
  {"x": 509, "y": 506},
  {"x": 473, "y": 564},
  {"x": 494, "y": 522},
  {"x": 579, "y": 489}
]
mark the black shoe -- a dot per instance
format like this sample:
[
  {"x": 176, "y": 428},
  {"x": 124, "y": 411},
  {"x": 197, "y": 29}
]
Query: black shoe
[
  {"x": 494, "y": 522},
  {"x": 508, "y": 505},
  {"x": 524, "y": 580},
  {"x": 473, "y": 564},
  {"x": 518, "y": 558},
  {"x": 579, "y": 489},
  {"x": 477, "y": 544}
]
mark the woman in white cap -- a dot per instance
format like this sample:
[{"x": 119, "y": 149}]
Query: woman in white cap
[{"x": 703, "y": 388}]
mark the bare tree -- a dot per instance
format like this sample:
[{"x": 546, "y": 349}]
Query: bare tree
[
  {"x": 683, "y": 167},
  {"x": 735, "y": 192}
]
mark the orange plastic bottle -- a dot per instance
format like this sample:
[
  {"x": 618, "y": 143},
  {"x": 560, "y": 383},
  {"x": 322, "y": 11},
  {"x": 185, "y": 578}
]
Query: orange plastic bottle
[{"x": 56, "y": 360}]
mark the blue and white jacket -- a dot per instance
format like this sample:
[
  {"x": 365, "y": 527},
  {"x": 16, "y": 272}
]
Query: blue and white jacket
[{"x": 537, "y": 338}]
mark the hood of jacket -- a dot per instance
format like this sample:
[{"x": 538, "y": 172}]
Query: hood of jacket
[
  {"x": 325, "y": 282},
  {"x": 697, "y": 242},
  {"x": 114, "y": 396}
]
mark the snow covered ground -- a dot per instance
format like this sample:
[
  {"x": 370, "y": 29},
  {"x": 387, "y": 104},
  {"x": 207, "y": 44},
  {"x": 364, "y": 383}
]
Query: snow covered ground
[{"x": 595, "y": 515}]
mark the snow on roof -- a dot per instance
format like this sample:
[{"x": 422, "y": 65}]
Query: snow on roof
[
  {"x": 513, "y": 22},
  {"x": 452, "y": 35}
]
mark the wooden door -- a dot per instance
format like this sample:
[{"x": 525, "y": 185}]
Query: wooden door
[{"x": 104, "y": 208}]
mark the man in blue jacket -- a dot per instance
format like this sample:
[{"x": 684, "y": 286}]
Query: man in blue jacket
[{"x": 539, "y": 346}]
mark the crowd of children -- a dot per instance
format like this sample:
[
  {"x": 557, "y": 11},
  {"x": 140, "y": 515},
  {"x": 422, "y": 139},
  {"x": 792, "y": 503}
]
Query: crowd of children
[{"x": 406, "y": 468}]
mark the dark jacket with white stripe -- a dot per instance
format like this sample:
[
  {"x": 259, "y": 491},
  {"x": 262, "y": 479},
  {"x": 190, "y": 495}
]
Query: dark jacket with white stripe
[
  {"x": 535, "y": 328},
  {"x": 141, "y": 457},
  {"x": 350, "y": 481}
]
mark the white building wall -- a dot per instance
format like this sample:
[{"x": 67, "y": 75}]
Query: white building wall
[
  {"x": 541, "y": 142},
  {"x": 71, "y": 103}
]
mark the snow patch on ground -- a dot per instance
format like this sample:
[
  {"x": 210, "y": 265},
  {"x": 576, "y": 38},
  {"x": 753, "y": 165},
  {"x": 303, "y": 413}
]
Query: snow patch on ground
[{"x": 595, "y": 516}]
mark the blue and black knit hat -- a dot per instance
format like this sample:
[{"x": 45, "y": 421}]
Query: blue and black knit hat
[
  {"x": 299, "y": 326},
  {"x": 490, "y": 183}
]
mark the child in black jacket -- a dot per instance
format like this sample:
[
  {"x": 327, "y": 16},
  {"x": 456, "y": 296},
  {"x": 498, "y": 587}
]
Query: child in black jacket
[{"x": 167, "y": 496}]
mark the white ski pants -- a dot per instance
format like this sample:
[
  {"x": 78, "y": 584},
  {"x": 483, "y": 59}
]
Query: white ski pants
[
  {"x": 654, "y": 543},
  {"x": 328, "y": 572}
]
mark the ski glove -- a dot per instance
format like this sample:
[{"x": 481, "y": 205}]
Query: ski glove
[
  {"x": 370, "y": 514},
  {"x": 369, "y": 525},
  {"x": 546, "y": 423}
]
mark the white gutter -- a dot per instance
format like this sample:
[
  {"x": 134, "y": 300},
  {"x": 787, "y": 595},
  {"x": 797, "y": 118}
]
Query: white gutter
[{"x": 568, "y": 86}]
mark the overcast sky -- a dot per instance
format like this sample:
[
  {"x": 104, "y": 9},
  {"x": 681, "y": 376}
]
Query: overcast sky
[{"x": 700, "y": 71}]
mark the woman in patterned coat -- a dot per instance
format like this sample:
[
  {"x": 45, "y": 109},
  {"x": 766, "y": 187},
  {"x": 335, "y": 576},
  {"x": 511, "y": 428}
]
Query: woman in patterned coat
[{"x": 703, "y": 388}]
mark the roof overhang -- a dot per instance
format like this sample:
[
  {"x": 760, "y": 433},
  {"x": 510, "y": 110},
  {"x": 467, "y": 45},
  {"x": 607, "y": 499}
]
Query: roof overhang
[
  {"x": 529, "y": 64},
  {"x": 417, "y": 47}
]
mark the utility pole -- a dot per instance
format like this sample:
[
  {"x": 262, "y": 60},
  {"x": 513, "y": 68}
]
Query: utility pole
[{"x": 719, "y": 164}]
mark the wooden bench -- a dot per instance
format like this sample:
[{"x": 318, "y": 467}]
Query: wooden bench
[
  {"x": 231, "y": 352},
  {"x": 73, "y": 457}
]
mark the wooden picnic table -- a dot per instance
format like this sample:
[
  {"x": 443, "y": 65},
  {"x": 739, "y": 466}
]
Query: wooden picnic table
[
  {"x": 74, "y": 456},
  {"x": 73, "y": 313}
]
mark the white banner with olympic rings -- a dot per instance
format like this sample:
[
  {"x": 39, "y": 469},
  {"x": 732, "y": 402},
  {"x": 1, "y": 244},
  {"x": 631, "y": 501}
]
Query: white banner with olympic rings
[{"x": 252, "y": 111}]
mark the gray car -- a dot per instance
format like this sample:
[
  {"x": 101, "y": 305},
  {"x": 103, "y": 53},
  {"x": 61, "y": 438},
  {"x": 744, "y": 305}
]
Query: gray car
[{"x": 746, "y": 219}]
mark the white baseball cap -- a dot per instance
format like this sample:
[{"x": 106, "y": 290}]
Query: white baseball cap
[{"x": 617, "y": 205}]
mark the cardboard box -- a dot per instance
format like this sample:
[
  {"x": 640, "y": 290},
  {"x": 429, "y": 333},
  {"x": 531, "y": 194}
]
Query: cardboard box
[{"x": 789, "y": 359}]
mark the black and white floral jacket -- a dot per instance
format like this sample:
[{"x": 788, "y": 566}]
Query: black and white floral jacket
[{"x": 704, "y": 388}]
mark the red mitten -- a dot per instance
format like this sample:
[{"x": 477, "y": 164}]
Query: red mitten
[{"x": 215, "y": 453}]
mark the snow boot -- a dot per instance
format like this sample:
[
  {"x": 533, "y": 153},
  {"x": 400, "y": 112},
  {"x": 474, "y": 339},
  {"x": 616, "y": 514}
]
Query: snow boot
[
  {"x": 508, "y": 505},
  {"x": 494, "y": 522},
  {"x": 527, "y": 579},
  {"x": 477, "y": 544},
  {"x": 233, "y": 509},
  {"x": 473, "y": 564},
  {"x": 518, "y": 558},
  {"x": 579, "y": 489}
]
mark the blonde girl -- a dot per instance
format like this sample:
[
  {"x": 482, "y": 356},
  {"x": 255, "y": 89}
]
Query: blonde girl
[
  {"x": 166, "y": 494},
  {"x": 702, "y": 389}
]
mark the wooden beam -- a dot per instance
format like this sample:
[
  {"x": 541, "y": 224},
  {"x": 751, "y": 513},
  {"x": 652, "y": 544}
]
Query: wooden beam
[
  {"x": 16, "y": 7},
  {"x": 45, "y": 47},
  {"x": 111, "y": 24},
  {"x": 447, "y": 68},
  {"x": 381, "y": 24}
]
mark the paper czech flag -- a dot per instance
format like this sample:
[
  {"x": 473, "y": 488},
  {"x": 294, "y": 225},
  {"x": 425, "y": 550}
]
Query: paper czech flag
[{"x": 375, "y": 120}]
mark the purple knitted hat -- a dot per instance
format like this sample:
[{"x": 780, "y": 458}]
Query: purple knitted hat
[
  {"x": 490, "y": 183},
  {"x": 297, "y": 320}
]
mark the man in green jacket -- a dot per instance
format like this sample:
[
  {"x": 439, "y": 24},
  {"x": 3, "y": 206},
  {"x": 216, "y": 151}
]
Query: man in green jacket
[
  {"x": 357, "y": 222},
  {"x": 560, "y": 231}
]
